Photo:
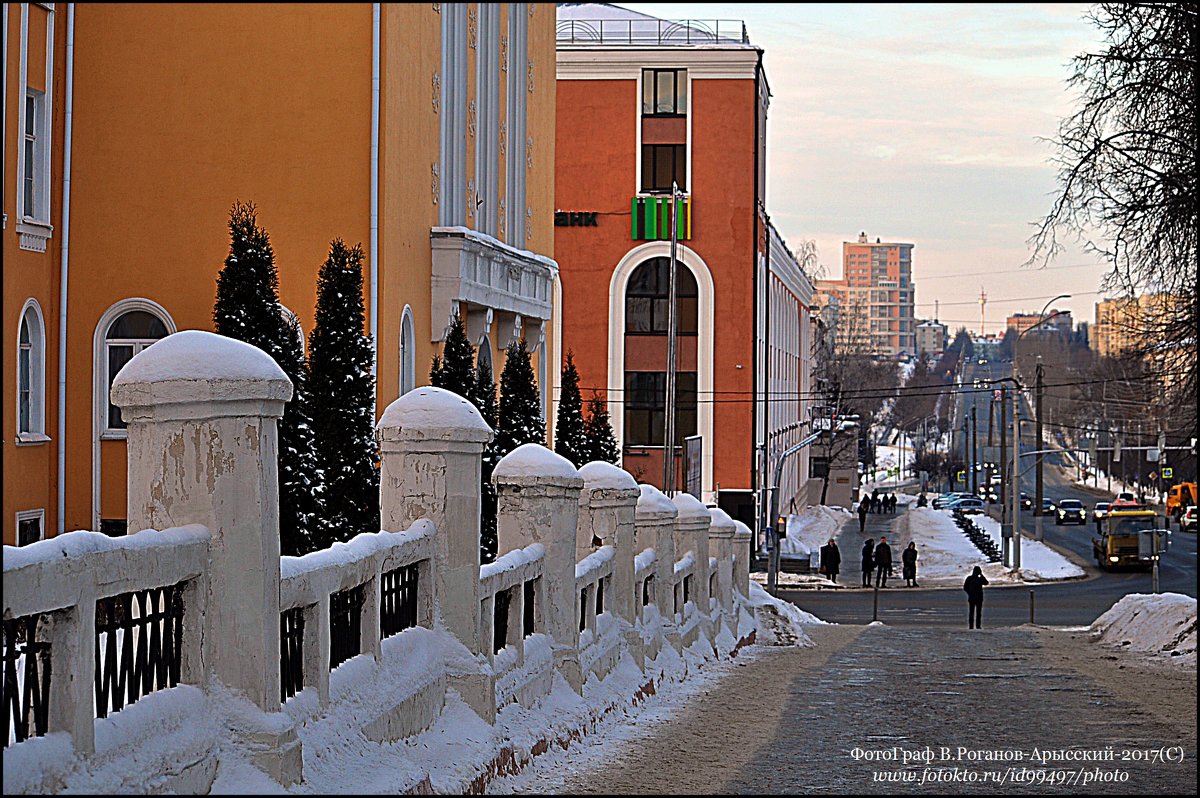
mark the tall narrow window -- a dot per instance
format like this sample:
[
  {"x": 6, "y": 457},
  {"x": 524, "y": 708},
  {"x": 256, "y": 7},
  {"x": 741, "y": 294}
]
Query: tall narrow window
[
  {"x": 129, "y": 334},
  {"x": 647, "y": 297},
  {"x": 31, "y": 384},
  {"x": 662, "y": 165},
  {"x": 32, "y": 179},
  {"x": 645, "y": 407},
  {"x": 664, "y": 92},
  {"x": 408, "y": 367}
]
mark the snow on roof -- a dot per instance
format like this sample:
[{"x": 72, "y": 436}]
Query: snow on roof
[
  {"x": 199, "y": 355},
  {"x": 534, "y": 460},
  {"x": 429, "y": 408},
  {"x": 598, "y": 11},
  {"x": 599, "y": 475},
  {"x": 654, "y": 500},
  {"x": 690, "y": 507}
]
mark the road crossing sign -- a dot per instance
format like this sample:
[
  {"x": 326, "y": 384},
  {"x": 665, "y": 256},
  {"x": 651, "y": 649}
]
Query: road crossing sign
[
  {"x": 1168, "y": 472},
  {"x": 1153, "y": 476}
]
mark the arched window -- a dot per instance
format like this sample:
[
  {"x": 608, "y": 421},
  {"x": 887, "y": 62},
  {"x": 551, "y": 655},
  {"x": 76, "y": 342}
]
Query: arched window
[
  {"x": 408, "y": 355},
  {"x": 128, "y": 334},
  {"x": 647, "y": 297},
  {"x": 31, "y": 374}
]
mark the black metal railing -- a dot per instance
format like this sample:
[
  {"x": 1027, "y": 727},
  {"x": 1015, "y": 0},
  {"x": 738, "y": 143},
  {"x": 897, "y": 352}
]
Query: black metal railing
[
  {"x": 500, "y": 620},
  {"x": 26, "y": 679},
  {"x": 345, "y": 625},
  {"x": 528, "y": 620},
  {"x": 138, "y": 643},
  {"x": 647, "y": 590},
  {"x": 583, "y": 609},
  {"x": 291, "y": 652},
  {"x": 599, "y": 596},
  {"x": 652, "y": 31},
  {"x": 398, "y": 600}
]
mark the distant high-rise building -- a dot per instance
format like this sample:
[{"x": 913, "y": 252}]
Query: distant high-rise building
[
  {"x": 877, "y": 297},
  {"x": 931, "y": 337},
  {"x": 1056, "y": 321}
]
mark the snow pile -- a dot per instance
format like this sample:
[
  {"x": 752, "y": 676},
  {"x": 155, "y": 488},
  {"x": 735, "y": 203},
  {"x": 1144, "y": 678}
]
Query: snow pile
[
  {"x": 945, "y": 555},
  {"x": 1158, "y": 625},
  {"x": 780, "y": 622},
  {"x": 811, "y": 529}
]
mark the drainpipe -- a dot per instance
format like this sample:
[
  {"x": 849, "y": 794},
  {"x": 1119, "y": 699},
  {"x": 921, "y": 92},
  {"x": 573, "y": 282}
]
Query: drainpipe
[
  {"x": 62, "y": 279},
  {"x": 375, "y": 11}
]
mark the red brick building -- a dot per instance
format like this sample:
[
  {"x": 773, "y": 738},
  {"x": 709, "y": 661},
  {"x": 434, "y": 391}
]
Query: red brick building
[{"x": 643, "y": 103}]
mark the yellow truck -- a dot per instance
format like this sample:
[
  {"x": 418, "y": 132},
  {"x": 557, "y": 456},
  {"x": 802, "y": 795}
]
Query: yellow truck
[{"x": 1129, "y": 537}]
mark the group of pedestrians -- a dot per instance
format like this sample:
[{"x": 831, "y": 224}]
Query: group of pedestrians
[{"x": 875, "y": 503}]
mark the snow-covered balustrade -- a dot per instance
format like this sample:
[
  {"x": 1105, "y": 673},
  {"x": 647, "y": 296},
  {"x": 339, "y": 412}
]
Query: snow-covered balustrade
[
  {"x": 686, "y": 611},
  {"x": 721, "y": 535},
  {"x": 345, "y": 600},
  {"x": 538, "y": 502},
  {"x": 655, "y": 531},
  {"x": 53, "y": 592},
  {"x": 599, "y": 632},
  {"x": 743, "y": 539},
  {"x": 510, "y": 592},
  {"x": 691, "y": 534},
  {"x": 643, "y": 577}
]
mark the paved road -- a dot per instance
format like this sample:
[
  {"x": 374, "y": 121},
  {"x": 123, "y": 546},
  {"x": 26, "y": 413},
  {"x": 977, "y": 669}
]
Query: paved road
[{"x": 789, "y": 720}]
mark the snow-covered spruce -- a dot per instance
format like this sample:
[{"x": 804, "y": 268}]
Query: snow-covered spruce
[
  {"x": 602, "y": 442},
  {"x": 520, "y": 418},
  {"x": 343, "y": 399},
  {"x": 569, "y": 438},
  {"x": 247, "y": 309}
]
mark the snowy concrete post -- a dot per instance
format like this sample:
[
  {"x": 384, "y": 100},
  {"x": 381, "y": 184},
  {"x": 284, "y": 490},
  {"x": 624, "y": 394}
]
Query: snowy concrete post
[
  {"x": 606, "y": 513},
  {"x": 431, "y": 441},
  {"x": 691, "y": 532},
  {"x": 655, "y": 518},
  {"x": 721, "y": 538},
  {"x": 202, "y": 447},
  {"x": 538, "y": 502},
  {"x": 741, "y": 558}
]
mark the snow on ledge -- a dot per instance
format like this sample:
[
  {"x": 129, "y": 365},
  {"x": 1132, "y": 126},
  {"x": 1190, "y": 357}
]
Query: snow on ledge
[
  {"x": 534, "y": 460},
  {"x": 1160, "y": 626},
  {"x": 83, "y": 542},
  {"x": 359, "y": 547},
  {"x": 690, "y": 507},
  {"x": 599, "y": 475},
  {"x": 199, "y": 355},
  {"x": 654, "y": 500},
  {"x": 594, "y": 561},
  {"x": 512, "y": 560}
]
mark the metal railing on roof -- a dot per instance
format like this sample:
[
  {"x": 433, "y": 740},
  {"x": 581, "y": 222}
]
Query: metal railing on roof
[{"x": 652, "y": 31}]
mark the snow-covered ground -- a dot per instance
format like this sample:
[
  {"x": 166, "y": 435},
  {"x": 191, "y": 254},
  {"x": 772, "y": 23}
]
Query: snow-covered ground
[
  {"x": 1163, "y": 627},
  {"x": 811, "y": 529},
  {"x": 946, "y": 556}
]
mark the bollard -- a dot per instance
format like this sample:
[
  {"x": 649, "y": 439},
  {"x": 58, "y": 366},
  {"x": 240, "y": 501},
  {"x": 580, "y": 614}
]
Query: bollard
[
  {"x": 875, "y": 611},
  {"x": 1031, "y": 603}
]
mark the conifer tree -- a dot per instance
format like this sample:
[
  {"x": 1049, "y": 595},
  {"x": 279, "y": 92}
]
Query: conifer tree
[
  {"x": 484, "y": 398},
  {"x": 342, "y": 393},
  {"x": 602, "y": 443},
  {"x": 520, "y": 419},
  {"x": 247, "y": 308},
  {"x": 458, "y": 360},
  {"x": 569, "y": 438},
  {"x": 435, "y": 372}
]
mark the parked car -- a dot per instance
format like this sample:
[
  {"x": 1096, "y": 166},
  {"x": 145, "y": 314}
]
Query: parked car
[
  {"x": 1187, "y": 521},
  {"x": 1100, "y": 512},
  {"x": 1070, "y": 511},
  {"x": 968, "y": 505},
  {"x": 941, "y": 501}
]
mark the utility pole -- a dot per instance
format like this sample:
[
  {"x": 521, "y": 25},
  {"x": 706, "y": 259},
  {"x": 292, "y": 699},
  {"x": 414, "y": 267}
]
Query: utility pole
[
  {"x": 974, "y": 450},
  {"x": 991, "y": 420},
  {"x": 669, "y": 441},
  {"x": 1003, "y": 480},
  {"x": 1016, "y": 480},
  {"x": 1037, "y": 443},
  {"x": 966, "y": 439}
]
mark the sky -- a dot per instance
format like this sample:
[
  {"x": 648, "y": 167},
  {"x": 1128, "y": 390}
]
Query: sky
[{"x": 922, "y": 124}]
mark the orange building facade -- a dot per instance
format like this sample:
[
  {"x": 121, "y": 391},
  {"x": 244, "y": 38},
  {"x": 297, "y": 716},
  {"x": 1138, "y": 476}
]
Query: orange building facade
[
  {"x": 423, "y": 131},
  {"x": 644, "y": 104}
]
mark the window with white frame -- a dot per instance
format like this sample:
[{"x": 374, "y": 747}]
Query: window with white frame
[
  {"x": 408, "y": 358},
  {"x": 129, "y": 333},
  {"x": 31, "y": 371},
  {"x": 34, "y": 180},
  {"x": 30, "y": 526}
]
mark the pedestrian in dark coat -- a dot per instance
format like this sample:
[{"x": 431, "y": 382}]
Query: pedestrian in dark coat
[
  {"x": 883, "y": 563},
  {"x": 864, "y": 507},
  {"x": 891, "y": 503},
  {"x": 876, "y": 504},
  {"x": 974, "y": 587},
  {"x": 909, "y": 558},
  {"x": 831, "y": 560},
  {"x": 868, "y": 561}
]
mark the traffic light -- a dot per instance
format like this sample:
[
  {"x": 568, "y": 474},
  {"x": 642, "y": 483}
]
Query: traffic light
[{"x": 781, "y": 526}]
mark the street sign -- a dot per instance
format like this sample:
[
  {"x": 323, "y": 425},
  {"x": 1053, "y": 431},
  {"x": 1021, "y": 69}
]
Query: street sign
[
  {"x": 1168, "y": 472},
  {"x": 1153, "y": 455},
  {"x": 962, "y": 476},
  {"x": 1153, "y": 476}
]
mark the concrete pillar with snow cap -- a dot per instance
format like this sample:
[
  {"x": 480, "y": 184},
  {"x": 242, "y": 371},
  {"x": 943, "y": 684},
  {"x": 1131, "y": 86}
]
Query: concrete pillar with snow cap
[
  {"x": 538, "y": 502},
  {"x": 655, "y": 517},
  {"x": 691, "y": 531},
  {"x": 431, "y": 443},
  {"x": 721, "y": 536},
  {"x": 202, "y": 413},
  {"x": 607, "y": 505},
  {"x": 741, "y": 557}
]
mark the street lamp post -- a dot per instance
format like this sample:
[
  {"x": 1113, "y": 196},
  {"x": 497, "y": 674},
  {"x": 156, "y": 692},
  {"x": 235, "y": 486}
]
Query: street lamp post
[{"x": 1016, "y": 479}]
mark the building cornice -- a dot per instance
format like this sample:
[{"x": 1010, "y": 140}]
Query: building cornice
[{"x": 584, "y": 62}]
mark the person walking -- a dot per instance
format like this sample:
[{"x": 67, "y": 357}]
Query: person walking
[
  {"x": 864, "y": 507},
  {"x": 891, "y": 500},
  {"x": 883, "y": 563},
  {"x": 868, "y": 560},
  {"x": 876, "y": 503},
  {"x": 908, "y": 558},
  {"x": 831, "y": 560},
  {"x": 974, "y": 587}
]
